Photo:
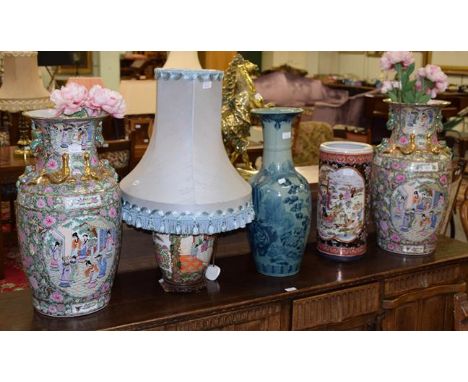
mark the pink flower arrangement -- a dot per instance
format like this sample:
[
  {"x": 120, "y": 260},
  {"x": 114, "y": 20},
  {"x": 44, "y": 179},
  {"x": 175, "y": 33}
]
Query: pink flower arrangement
[
  {"x": 69, "y": 99},
  {"x": 105, "y": 99},
  {"x": 75, "y": 100},
  {"x": 429, "y": 80},
  {"x": 390, "y": 59}
]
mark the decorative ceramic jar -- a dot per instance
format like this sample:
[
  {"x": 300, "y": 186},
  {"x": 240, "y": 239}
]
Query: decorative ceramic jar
[
  {"x": 69, "y": 217},
  {"x": 183, "y": 260},
  {"x": 343, "y": 199},
  {"x": 411, "y": 174},
  {"x": 281, "y": 199}
]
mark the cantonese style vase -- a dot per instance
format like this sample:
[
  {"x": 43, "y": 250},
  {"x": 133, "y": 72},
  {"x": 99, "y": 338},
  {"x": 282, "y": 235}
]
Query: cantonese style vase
[
  {"x": 411, "y": 174},
  {"x": 69, "y": 217},
  {"x": 183, "y": 260},
  {"x": 343, "y": 199},
  {"x": 281, "y": 199}
]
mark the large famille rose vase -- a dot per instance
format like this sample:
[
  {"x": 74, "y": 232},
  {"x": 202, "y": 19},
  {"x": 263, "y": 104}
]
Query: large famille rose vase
[
  {"x": 281, "y": 199},
  {"x": 411, "y": 174},
  {"x": 343, "y": 199},
  {"x": 69, "y": 217}
]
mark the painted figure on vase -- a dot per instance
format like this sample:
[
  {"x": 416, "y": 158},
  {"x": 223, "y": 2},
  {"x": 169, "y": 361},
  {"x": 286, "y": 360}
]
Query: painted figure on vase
[
  {"x": 341, "y": 201},
  {"x": 66, "y": 272},
  {"x": 417, "y": 208},
  {"x": 55, "y": 253}
]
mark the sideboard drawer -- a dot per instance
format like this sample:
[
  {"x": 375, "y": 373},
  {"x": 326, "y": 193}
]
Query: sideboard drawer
[
  {"x": 418, "y": 280},
  {"x": 263, "y": 317},
  {"x": 335, "y": 307}
]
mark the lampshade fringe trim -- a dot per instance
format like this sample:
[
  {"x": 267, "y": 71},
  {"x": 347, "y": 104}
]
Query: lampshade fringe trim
[{"x": 172, "y": 222}]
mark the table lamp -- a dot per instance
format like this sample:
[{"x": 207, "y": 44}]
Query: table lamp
[
  {"x": 185, "y": 189},
  {"x": 22, "y": 90}
]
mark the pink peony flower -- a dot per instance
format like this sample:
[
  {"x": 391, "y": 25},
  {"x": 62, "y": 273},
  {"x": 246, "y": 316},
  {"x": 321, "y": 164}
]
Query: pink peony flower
[
  {"x": 390, "y": 59},
  {"x": 443, "y": 179},
  {"x": 52, "y": 164},
  {"x": 50, "y": 201},
  {"x": 434, "y": 79},
  {"x": 391, "y": 246},
  {"x": 403, "y": 140},
  {"x": 48, "y": 189},
  {"x": 390, "y": 85},
  {"x": 56, "y": 296},
  {"x": 395, "y": 238},
  {"x": 70, "y": 99},
  {"x": 108, "y": 100},
  {"x": 52, "y": 309},
  {"x": 400, "y": 178},
  {"x": 40, "y": 203},
  {"x": 49, "y": 221},
  {"x": 112, "y": 212}
]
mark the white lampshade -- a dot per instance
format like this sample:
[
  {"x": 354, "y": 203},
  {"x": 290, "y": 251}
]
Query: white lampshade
[
  {"x": 182, "y": 60},
  {"x": 185, "y": 183},
  {"x": 22, "y": 88}
]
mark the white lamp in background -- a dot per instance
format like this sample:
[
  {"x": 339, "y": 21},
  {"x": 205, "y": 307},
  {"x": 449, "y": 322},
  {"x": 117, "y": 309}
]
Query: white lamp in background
[
  {"x": 22, "y": 90},
  {"x": 185, "y": 189},
  {"x": 182, "y": 60}
]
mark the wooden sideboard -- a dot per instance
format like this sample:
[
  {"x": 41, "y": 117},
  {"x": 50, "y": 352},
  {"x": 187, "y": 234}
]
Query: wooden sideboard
[{"x": 380, "y": 291}]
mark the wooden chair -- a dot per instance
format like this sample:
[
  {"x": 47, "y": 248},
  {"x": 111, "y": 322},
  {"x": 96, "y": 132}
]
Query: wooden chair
[
  {"x": 118, "y": 153},
  {"x": 460, "y": 308},
  {"x": 458, "y": 168},
  {"x": 307, "y": 140},
  {"x": 140, "y": 132}
]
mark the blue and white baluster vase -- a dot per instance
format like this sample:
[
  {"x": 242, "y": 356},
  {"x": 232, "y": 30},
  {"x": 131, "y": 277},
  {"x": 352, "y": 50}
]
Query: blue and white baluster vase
[{"x": 281, "y": 199}]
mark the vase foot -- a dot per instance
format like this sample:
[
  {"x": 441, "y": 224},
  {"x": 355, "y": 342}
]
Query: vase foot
[
  {"x": 53, "y": 309},
  {"x": 343, "y": 259},
  {"x": 406, "y": 249},
  {"x": 277, "y": 270},
  {"x": 173, "y": 287}
]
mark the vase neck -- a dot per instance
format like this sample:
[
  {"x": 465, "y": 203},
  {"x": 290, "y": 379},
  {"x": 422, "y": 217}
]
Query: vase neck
[
  {"x": 414, "y": 123},
  {"x": 75, "y": 140},
  {"x": 277, "y": 140}
]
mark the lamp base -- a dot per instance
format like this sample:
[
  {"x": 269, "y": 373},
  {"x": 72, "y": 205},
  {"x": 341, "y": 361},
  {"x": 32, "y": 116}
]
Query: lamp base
[{"x": 183, "y": 260}]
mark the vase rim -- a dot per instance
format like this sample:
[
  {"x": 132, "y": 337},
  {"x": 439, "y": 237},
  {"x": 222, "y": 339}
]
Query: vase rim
[
  {"x": 346, "y": 147},
  {"x": 276, "y": 110},
  {"x": 50, "y": 115},
  {"x": 432, "y": 102}
]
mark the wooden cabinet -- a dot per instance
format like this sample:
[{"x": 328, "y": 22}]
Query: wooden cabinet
[
  {"x": 380, "y": 291},
  {"x": 422, "y": 300}
]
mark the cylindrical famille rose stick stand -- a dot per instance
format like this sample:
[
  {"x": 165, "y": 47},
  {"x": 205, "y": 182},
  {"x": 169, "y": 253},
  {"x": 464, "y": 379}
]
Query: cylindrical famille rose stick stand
[{"x": 343, "y": 199}]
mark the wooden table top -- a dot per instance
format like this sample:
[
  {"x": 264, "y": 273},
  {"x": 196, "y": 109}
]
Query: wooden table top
[{"x": 138, "y": 298}]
